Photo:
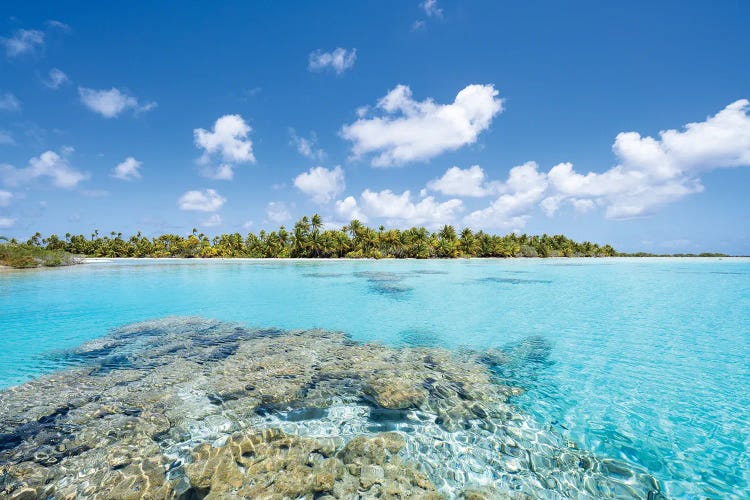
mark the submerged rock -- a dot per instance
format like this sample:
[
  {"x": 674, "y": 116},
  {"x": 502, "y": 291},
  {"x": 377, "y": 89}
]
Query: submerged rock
[
  {"x": 272, "y": 464},
  {"x": 193, "y": 408}
]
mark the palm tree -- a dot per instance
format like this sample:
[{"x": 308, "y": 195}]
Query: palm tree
[
  {"x": 310, "y": 239},
  {"x": 300, "y": 237},
  {"x": 316, "y": 223}
]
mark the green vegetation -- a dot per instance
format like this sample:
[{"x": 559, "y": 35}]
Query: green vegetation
[
  {"x": 28, "y": 255},
  {"x": 308, "y": 239}
]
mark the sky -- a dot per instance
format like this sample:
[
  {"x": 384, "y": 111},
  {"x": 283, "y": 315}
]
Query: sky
[{"x": 615, "y": 122}]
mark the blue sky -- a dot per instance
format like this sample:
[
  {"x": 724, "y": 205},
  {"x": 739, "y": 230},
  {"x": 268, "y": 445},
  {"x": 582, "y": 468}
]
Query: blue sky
[{"x": 506, "y": 116}]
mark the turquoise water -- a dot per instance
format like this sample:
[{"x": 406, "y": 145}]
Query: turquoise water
[{"x": 649, "y": 362}]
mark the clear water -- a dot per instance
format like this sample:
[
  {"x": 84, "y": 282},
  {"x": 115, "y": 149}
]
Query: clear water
[{"x": 650, "y": 358}]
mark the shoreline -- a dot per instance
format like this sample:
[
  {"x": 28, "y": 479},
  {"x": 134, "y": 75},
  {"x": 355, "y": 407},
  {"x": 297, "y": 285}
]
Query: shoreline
[
  {"x": 84, "y": 260},
  {"x": 5, "y": 270}
]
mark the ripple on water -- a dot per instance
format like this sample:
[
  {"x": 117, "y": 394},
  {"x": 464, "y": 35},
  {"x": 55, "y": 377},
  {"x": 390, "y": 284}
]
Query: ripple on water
[
  {"x": 209, "y": 407},
  {"x": 512, "y": 281}
]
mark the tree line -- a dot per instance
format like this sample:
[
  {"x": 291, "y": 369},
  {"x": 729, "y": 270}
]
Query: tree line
[{"x": 309, "y": 239}]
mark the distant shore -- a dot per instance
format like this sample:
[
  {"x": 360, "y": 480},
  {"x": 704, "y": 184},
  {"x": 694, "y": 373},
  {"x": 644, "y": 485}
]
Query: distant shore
[
  {"x": 308, "y": 239},
  {"x": 85, "y": 260}
]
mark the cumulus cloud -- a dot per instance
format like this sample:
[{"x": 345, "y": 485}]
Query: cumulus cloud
[
  {"x": 56, "y": 79},
  {"x": 213, "y": 221},
  {"x": 128, "y": 170},
  {"x": 22, "y": 42},
  {"x": 348, "y": 209},
  {"x": 463, "y": 182},
  {"x": 5, "y": 197},
  {"x": 47, "y": 165},
  {"x": 229, "y": 142},
  {"x": 521, "y": 192},
  {"x": 207, "y": 200},
  {"x": 9, "y": 102},
  {"x": 399, "y": 209},
  {"x": 307, "y": 147},
  {"x": 582, "y": 205},
  {"x": 649, "y": 173},
  {"x": 111, "y": 103},
  {"x": 7, "y": 222},
  {"x": 277, "y": 212},
  {"x": 430, "y": 7},
  {"x": 652, "y": 172},
  {"x": 408, "y": 130},
  {"x": 339, "y": 60},
  {"x": 321, "y": 184}
]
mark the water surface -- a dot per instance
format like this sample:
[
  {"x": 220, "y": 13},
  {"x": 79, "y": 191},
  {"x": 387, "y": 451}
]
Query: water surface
[{"x": 648, "y": 358}]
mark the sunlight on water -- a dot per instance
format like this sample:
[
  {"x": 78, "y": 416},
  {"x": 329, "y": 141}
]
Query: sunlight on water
[{"x": 644, "y": 361}]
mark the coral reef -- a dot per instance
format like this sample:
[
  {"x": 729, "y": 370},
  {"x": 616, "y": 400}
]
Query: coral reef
[{"x": 195, "y": 408}]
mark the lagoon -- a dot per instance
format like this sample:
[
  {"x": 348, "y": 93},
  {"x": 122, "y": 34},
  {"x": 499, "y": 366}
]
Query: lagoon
[{"x": 647, "y": 361}]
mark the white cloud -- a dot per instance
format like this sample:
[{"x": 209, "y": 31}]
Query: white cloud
[
  {"x": 339, "y": 60},
  {"x": 582, "y": 205},
  {"x": 223, "y": 172},
  {"x": 277, "y": 212},
  {"x": 49, "y": 164},
  {"x": 321, "y": 184},
  {"x": 431, "y": 8},
  {"x": 207, "y": 200},
  {"x": 551, "y": 204},
  {"x": 410, "y": 130},
  {"x": 128, "y": 170},
  {"x": 6, "y": 222},
  {"x": 521, "y": 192},
  {"x": 228, "y": 138},
  {"x": 307, "y": 147},
  {"x": 6, "y": 138},
  {"x": 229, "y": 141},
  {"x": 213, "y": 221},
  {"x": 22, "y": 42},
  {"x": 5, "y": 197},
  {"x": 652, "y": 172},
  {"x": 52, "y": 23},
  {"x": 463, "y": 182},
  {"x": 110, "y": 103},
  {"x": 398, "y": 209},
  {"x": 9, "y": 102},
  {"x": 56, "y": 79},
  {"x": 349, "y": 210},
  {"x": 418, "y": 25}
]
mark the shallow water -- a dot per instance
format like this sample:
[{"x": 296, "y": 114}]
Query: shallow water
[{"x": 643, "y": 360}]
